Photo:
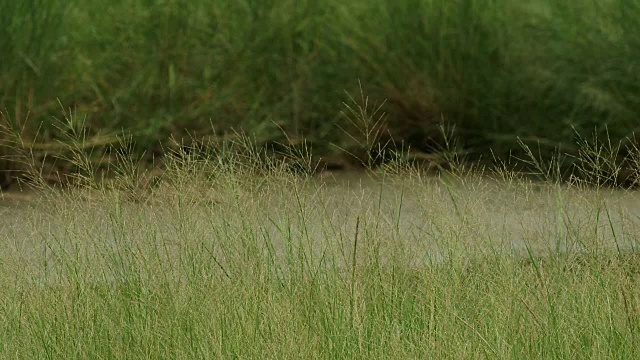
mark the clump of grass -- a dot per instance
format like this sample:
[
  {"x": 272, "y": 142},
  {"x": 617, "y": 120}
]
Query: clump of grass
[{"x": 224, "y": 257}]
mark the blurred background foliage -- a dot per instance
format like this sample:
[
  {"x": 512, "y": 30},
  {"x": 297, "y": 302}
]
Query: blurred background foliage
[{"x": 540, "y": 71}]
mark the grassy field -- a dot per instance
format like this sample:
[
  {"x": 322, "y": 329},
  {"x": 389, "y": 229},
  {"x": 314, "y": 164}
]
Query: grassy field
[
  {"x": 224, "y": 257},
  {"x": 541, "y": 70},
  {"x": 230, "y": 252}
]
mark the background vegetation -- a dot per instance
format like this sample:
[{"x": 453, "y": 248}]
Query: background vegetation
[{"x": 544, "y": 71}]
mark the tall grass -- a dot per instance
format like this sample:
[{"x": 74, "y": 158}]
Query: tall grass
[
  {"x": 499, "y": 70},
  {"x": 33, "y": 40},
  {"x": 226, "y": 257}
]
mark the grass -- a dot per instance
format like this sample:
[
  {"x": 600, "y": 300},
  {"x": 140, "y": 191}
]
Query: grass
[
  {"x": 542, "y": 71},
  {"x": 230, "y": 253},
  {"x": 225, "y": 257}
]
